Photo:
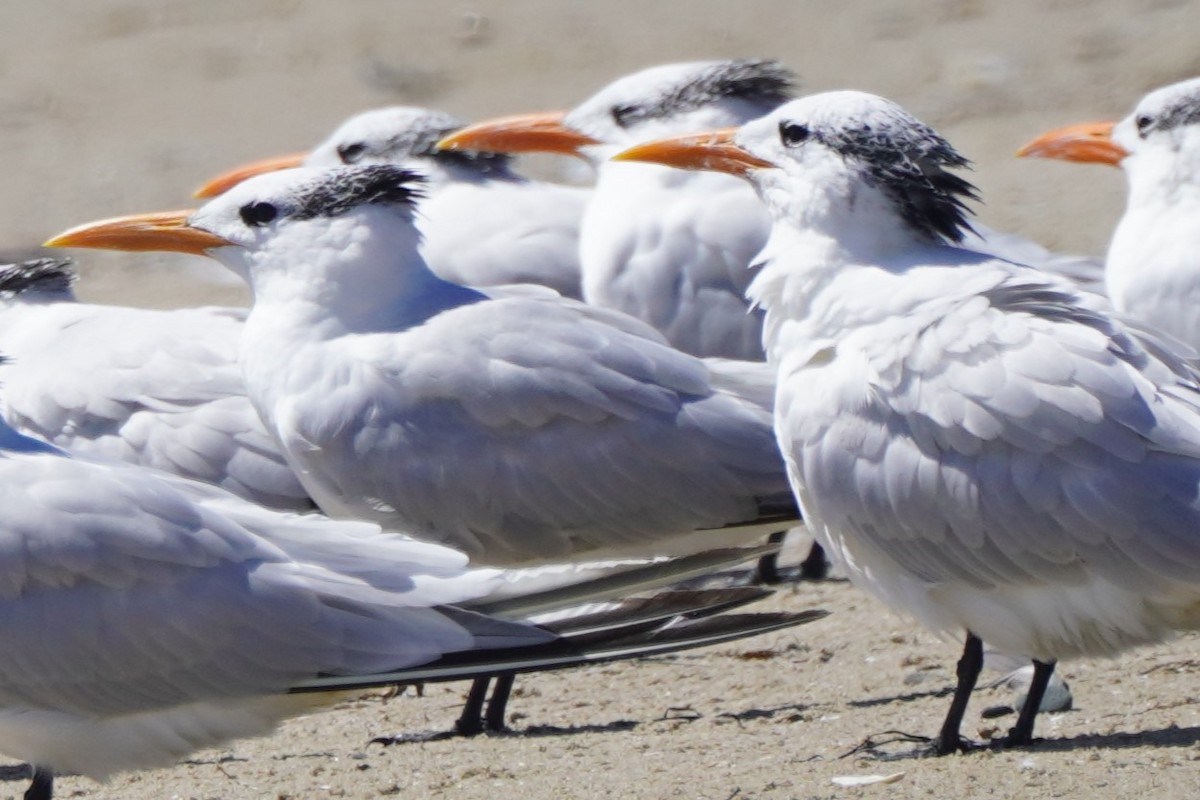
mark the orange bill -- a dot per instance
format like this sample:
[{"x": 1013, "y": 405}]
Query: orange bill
[
  {"x": 1089, "y": 143},
  {"x": 227, "y": 180},
  {"x": 714, "y": 151},
  {"x": 166, "y": 231},
  {"x": 523, "y": 133}
]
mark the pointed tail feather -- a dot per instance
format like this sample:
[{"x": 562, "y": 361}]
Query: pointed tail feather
[
  {"x": 564, "y": 653},
  {"x": 624, "y": 581},
  {"x": 637, "y": 612}
]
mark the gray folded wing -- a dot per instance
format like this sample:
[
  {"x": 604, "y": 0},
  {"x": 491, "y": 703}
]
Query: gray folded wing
[
  {"x": 157, "y": 388},
  {"x": 532, "y": 428},
  {"x": 1016, "y": 438}
]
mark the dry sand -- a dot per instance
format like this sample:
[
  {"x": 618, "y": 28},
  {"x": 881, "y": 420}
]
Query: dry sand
[{"x": 122, "y": 106}]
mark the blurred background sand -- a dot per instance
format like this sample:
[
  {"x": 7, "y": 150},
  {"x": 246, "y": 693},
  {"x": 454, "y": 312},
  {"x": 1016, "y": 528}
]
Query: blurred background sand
[{"x": 126, "y": 105}]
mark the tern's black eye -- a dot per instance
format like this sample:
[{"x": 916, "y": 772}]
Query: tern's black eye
[
  {"x": 351, "y": 153},
  {"x": 1144, "y": 123},
  {"x": 623, "y": 115},
  {"x": 258, "y": 214},
  {"x": 793, "y": 133}
]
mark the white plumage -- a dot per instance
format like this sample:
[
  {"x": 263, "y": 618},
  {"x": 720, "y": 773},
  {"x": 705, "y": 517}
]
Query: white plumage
[
  {"x": 145, "y": 616},
  {"x": 670, "y": 248},
  {"x": 514, "y": 423},
  {"x": 675, "y": 249},
  {"x": 158, "y": 388},
  {"x": 982, "y": 445},
  {"x": 483, "y": 224},
  {"x": 971, "y": 435},
  {"x": 1152, "y": 272}
]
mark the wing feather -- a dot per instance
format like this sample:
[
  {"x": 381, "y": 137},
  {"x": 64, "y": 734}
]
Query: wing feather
[
  {"x": 674, "y": 249},
  {"x": 123, "y": 592},
  {"x": 1031, "y": 439},
  {"x": 156, "y": 388},
  {"x": 595, "y": 436}
]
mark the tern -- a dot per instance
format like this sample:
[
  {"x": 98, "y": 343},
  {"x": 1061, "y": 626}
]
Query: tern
[
  {"x": 517, "y": 425},
  {"x": 483, "y": 224},
  {"x": 163, "y": 389},
  {"x": 678, "y": 250},
  {"x": 160, "y": 388},
  {"x": 1152, "y": 271},
  {"x": 981, "y": 444},
  {"x": 672, "y": 249},
  {"x": 147, "y": 615},
  {"x": 521, "y": 426}
]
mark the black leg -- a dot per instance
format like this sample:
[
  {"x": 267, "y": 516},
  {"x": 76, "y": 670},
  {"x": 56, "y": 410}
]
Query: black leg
[
  {"x": 950, "y": 740},
  {"x": 1022, "y": 733},
  {"x": 501, "y": 691},
  {"x": 470, "y": 721},
  {"x": 767, "y": 572},
  {"x": 42, "y": 785},
  {"x": 815, "y": 567}
]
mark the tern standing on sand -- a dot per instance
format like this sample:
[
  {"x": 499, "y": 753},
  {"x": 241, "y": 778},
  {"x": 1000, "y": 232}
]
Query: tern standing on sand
[{"x": 982, "y": 446}]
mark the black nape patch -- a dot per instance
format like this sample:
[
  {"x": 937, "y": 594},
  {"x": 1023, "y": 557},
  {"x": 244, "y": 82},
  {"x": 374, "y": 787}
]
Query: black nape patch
[
  {"x": 345, "y": 188},
  {"x": 419, "y": 139},
  {"x": 910, "y": 164},
  {"x": 764, "y": 81},
  {"x": 1183, "y": 111},
  {"x": 55, "y": 275},
  {"x": 494, "y": 164}
]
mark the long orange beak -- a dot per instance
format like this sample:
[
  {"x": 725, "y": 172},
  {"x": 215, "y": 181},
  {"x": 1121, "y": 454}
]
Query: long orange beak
[
  {"x": 523, "y": 133},
  {"x": 1089, "y": 143},
  {"x": 166, "y": 231},
  {"x": 227, "y": 180},
  {"x": 713, "y": 152}
]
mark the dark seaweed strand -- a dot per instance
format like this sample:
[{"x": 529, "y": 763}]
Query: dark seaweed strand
[
  {"x": 41, "y": 274},
  {"x": 910, "y": 165},
  {"x": 346, "y": 188},
  {"x": 765, "y": 81}
]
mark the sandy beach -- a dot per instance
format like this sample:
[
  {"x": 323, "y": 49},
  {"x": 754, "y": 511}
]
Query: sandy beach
[
  {"x": 124, "y": 106},
  {"x": 127, "y": 106}
]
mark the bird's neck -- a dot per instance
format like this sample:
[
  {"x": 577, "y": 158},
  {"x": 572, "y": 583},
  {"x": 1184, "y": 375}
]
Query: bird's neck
[
  {"x": 620, "y": 178},
  {"x": 816, "y": 284},
  {"x": 363, "y": 278},
  {"x": 312, "y": 320},
  {"x": 1152, "y": 270},
  {"x": 1162, "y": 178},
  {"x": 447, "y": 167},
  {"x": 836, "y": 210}
]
